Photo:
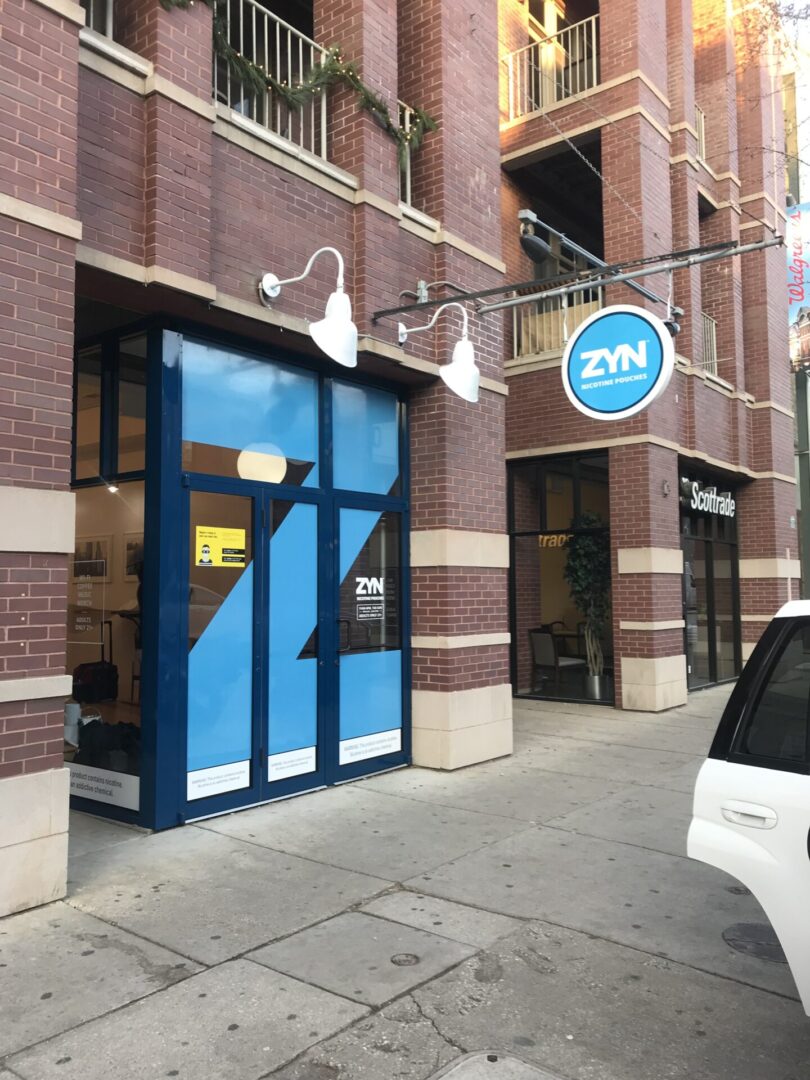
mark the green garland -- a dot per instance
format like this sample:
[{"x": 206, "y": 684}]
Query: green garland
[{"x": 333, "y": 69}]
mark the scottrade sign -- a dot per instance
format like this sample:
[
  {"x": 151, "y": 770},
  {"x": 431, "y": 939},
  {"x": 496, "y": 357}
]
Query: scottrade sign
[{"x": 617, "y": 362}]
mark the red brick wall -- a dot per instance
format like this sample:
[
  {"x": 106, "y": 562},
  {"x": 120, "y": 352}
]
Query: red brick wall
[
  {"x": 38, "y": 154},
  {"x": 111, "y": 173},
  {"x": 31, "y": 736},
  {"x": 177, "y": 42},
  {"x": 33, "y": 599},
  {"x": 460, "y": 669}
]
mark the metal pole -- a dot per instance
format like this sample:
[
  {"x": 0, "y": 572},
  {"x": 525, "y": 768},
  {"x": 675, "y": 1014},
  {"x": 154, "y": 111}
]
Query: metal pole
[
  {"x": 647, "y": 271},
  {"x": 599, "y": 263},
  {"x": 803, "y": 473}
]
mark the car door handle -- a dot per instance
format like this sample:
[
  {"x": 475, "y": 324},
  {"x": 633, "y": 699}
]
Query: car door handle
[{"x": 749, "y": 814}]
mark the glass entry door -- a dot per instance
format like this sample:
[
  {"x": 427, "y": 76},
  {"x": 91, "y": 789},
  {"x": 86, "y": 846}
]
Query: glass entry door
[
  {"x": 697, "y": 591},
  {"x": 223, "y": 692},
  {"x": 295, "y": 655},
  {"x": 254, "y": 676},
  {"x": 711, "y": 600},
  {"x": 369, "y": 640}
]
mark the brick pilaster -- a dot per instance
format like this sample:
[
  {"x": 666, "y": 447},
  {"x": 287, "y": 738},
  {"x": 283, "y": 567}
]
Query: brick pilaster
[
  {"x": 39, "y": 51},
  {"x": 178, "y": 139}
]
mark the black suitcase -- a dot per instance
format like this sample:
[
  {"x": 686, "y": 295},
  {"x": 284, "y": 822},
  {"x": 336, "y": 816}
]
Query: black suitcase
[{"x": 96, "y": 681}]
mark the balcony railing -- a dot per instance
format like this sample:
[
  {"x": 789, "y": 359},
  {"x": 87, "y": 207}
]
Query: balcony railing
[
  {"x": 99, "y": 16},
  {"x": 709, "y": 364},
  {"x": 700, "y": 128},
  {"x": 540, "y": 327},
  {"x": 561, "y": 66},
  {"x": 405, "y": 119},
  {"x": 289, "y": 56}
]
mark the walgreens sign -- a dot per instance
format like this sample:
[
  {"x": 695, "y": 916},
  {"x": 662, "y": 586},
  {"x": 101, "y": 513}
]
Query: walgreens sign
[{"x": 798, "y": 282}]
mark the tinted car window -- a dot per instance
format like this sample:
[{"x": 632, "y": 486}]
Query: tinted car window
[{"x": 776, "y": 728}]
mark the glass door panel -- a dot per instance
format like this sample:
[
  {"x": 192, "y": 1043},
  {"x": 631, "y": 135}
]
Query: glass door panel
[
  {"x": 696, "y": 613},
  {"x": 369, "y": 635},
  {"x": 293, "y": 644},
  {"x": 725, "y": 615},
  {"x": 220, "y": 644}
]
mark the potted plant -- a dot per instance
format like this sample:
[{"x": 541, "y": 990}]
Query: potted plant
[{"x": 587, "y": 571}]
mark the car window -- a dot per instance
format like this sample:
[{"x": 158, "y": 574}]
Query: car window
[{"x": 776, "y": 727}]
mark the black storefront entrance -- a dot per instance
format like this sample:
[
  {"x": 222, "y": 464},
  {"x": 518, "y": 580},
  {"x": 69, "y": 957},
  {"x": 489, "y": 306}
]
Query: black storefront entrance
[{"x": 711, "y": 580}]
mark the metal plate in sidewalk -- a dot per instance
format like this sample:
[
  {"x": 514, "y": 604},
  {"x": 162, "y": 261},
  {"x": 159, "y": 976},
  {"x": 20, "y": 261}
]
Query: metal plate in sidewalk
[
  {"x": 755, "y": 939},
  {"x": 492, "y": 1066}
]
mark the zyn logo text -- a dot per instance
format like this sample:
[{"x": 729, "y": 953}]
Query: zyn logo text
[
  {"x": 369, "y": 586},
  {"x": 618, "y": 360}
]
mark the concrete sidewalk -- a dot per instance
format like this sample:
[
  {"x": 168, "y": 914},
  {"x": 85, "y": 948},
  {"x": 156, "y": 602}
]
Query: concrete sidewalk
[{"x": 536, "y": 913}]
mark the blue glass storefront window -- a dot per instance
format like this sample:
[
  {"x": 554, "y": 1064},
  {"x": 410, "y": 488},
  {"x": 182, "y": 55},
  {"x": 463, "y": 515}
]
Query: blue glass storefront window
[
  {"x": 248, "y": 418},
  {"x": 366, "y": 439}
]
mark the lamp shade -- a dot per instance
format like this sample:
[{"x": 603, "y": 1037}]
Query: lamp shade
[
  {"x": 461, "y": 375},
  {"x": 335, "y": 334}
]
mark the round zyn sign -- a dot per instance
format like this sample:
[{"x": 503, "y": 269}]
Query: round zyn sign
[{"x": 617, "y": 362}]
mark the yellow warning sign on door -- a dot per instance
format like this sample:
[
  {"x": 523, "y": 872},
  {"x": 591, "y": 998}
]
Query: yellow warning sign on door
[{"x": 219, "y": 547}]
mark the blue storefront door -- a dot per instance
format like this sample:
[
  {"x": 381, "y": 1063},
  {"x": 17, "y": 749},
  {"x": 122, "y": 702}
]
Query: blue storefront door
[
  {"x": 254, "y": 671},
  {"x": 296, "y": 638},
  {"x": 294, "y": 675}
]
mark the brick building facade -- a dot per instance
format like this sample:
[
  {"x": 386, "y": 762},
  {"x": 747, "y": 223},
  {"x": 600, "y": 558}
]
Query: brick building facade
[{"x": 138, "y": 210}]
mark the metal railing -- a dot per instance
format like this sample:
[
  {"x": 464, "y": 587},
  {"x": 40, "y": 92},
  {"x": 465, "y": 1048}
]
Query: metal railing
[
  {"x": 541, "y": 326},
  {"x": 405, "y": 118},
  {"x": 549, "y": 71},
  {"x": 99, "y": 16},
  {"x": 288, "y": 56},
  {"x": 700, "y": 128},
  {"x": 709, "y": 364}
]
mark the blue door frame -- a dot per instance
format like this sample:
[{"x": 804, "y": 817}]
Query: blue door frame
[
  {"x": 163, "y": 802},
  {"x": 164, "y": 762}
]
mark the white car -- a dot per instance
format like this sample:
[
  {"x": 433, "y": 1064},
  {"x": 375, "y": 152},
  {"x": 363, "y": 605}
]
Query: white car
[{"x": 751, "y": 813}]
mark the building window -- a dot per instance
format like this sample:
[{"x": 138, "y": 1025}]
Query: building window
[
  {"x": 559, "y": 515},
  {"x": 99, "y": 16}
]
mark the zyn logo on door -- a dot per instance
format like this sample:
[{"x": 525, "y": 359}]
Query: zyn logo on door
[{"x": 369, "y": 586}]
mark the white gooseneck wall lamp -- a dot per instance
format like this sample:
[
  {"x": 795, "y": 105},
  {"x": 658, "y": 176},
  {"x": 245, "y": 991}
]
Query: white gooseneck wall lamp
[
  {"x": 461, "y": 375},
  {"x": 335, "y": 334}
]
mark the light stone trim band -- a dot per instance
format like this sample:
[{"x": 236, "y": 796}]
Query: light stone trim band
[
  {"x": 770, "y": 568},
  {"x": 34, "y": 520},
  {"x": 161, "y": 275},
  {"x": 66, "y": 8},
  {"x": 158, "y": 275},
  {"x": 652, "y": 440},
  {"x": 264, "y": 143},
  {"x": 533, "y": 149},
  {"x": 113, "y": 69},
  {"x": 459, "y": 547},
  {"x": 653, "y": 683},
  {"x": 684, "y": 125},
  {"x": 33, "y": 838},
  {"x": 158, "y": 84},
  {"x": 758, "y": 618},
  {"x": 459, "y": 641},
  {"x": 45, "y": 686},
  {"x": 650, "y": 560},
  {"x": 661, "y": 624},
  {"x": 19, "y": 210},
  {"x": 92, "y": 43},
  {"x": 459, "y": 728}
]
